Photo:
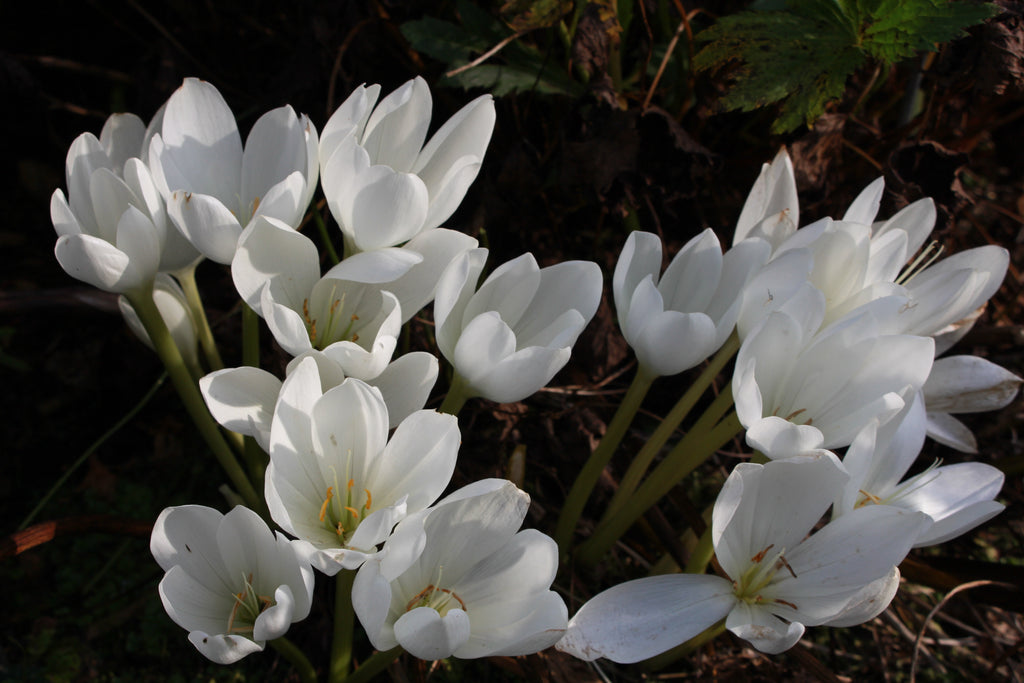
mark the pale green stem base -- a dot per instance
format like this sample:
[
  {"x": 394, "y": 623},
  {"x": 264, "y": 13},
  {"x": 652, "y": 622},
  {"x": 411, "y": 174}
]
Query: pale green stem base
[
  {"x": 642, "y": 461},
  {"x": 680, "y": 461},
  {"x": 344, "y": 625},
  {"x": 458, "y": 394},
  {"x": 325, "y": 235},
  {"x": 255, "y": 459},
  {"x": 377, "y": 662},
  {"x": 587, "y": 479},
  {"x": 187, "y": 279},
  {"x": 288, "y": 650},
  {"x": 193, "y": 400}
]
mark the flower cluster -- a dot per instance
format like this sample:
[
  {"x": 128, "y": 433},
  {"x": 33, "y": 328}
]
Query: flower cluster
[{"x": 836, "y": 327}]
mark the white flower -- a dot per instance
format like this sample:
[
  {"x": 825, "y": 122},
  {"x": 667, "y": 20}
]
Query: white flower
[
  {"x": 212, "y": 186},
  {"x": 833, "y": 381},
  {"x": 477, "y": 589},
  {"x": 243, "y": 399},
  {"x": 956, "y": 497},
  {"x": 510, "y": 337},
  {"x": 383, "y": 185},
  {"x": 676, "y": 321},
  {"x": 772, "y": 210},
  {"x": 345, "y": 313},
  {"x": 335, "y": 480},
  {"x": 778, "y": 578},
  {"x": 112, "y": 229},
  {"x": 231, "y": 582},
  {"x": 964, "y": 384}
]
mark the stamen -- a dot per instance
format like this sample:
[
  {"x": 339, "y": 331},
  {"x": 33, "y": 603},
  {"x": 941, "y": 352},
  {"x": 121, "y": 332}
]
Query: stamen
[
  {"x": 352, "y": 511},
  {"x": 782, "y": 561},
  {"x": 789, "y": 418},
  {"x": 787, "y": 603},
  {"x": 327, "y": 501},
  {"x": 369, "y": 499},
  {"x": 760, "y": 556}
]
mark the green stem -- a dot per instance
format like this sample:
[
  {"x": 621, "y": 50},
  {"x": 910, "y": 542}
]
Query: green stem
[
  {"x": 458, "y": 394},
  {"x": 377, "y": 662},
  {"x": 583, "y": 487},
  {"x": 255, "y": 459},
  {"x": 702, "y": 554},
  {"x": 668, "y": 426},
  {"x": 684, "y": 649},
  {"x": 187, "y": 279},
  {"x": 681, "y": 460},
  {"x": 288, "y": 650},
  {"x": 344, "y": 625},
  {"x": 325, "y": 236},
  {"x": 188, "y": 391}
]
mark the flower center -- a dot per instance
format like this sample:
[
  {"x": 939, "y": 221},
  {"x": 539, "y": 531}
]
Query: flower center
[
  {"x": 329, "y": 331},
  {"x": 901, "y": 491},
  {"x": 248, "y": 605},
  {"x": 435, "y": 597},
  {"x": 340, "y": 515},
  {"x": 761, "y": 572}
]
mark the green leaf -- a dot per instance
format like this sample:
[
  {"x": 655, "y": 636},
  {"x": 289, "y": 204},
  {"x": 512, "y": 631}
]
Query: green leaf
[
  {"x": 517, "y": 68},
  {"x": 799, "y": 61},
  {"x": 801, "y": 57}
]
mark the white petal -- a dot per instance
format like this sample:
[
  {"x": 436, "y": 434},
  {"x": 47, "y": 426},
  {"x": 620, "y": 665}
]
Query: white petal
[
  {"x": 438, "y": 248},
  {"x": 424, "y": 633},
  {"x": 864, "y": 208},
  {"x": 96, "y": 262},
  {"x": 398, "y": 126},
  {"x": 242, "y": 400},
  {"x": 756, "y": 625},
  {"x": 388, "y": 208},
  {"x": 223, "y": 649},
  {"x": 405, "y": 384},
  {"x": 969, "y": 384},
  {"x": 642, "y": 618},
  {"x": 271, "y": 252},
  {"x": 274, "y": 149},
  {"x": 207, "y": 223},
  {"x": 949, "y": 431},
  {"x": 640, "y": 258},
  {"x": 419, "y": 459}
]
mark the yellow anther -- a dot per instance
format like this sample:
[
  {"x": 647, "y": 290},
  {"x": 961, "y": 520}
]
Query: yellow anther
[
  {"x": 327, "y": 501},
  {"x": 351, "y": 483},
  {"x": 352, "y": 511},
  {"x": 369, "y": 499}
]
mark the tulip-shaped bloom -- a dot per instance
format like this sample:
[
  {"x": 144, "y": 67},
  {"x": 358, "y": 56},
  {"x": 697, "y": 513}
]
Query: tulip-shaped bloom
[
  {"x": 964, "y": 384},
  {"x": 382, "y": 184},
  {"x": 243, "y": 399},
  {"x": 479, "y": 587},
  {"x": 509, "y": 338},
  {"x": 833, "y": 381},
  {"x": 335, "y": 480},
  {"x": 170, "y": 301},
  {"x": 345, "y": 314},
  {"x": 212, "y": 186},
  {"x": 778, "y": 578},
  {"x": 231, "y": 582},
  {"x": 113, "y": 231},
  {"x": 771, "y": 211},
  {"x": 674, "y": 323},
  {"x": 956, "y": 497}
]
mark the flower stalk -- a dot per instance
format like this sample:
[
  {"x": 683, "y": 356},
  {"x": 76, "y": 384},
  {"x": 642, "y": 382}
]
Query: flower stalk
[
  {"x": 583, "y": 487},
  {"x": 295, "y": 656},
  {"x": 344, "y": 624},
  {"x": 187, "y": 279},
  {"x": 180, "y": 375}
]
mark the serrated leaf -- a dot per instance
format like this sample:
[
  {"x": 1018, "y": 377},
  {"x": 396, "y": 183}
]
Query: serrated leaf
[
  {"x": 804, "y": 70},
  {"x": 900, "y": 29}
]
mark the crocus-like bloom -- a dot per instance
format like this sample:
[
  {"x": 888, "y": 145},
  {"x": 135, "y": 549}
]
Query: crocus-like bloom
[
  {"x": 231, "y": 582},
  {"x": 478, "y": 588},
  {"x": 345, "y": 314},
  {"x": 212, "y": 186},
  {"x": 335, "y": 480},
  {"x": 243, "y": 399},
  {"x": 778, "y": 579},
  {"x": 674, "y": 323},
  {"x": 771, "y": 211},
  {"x": 833, "y": 381},
  {"x": 964, "y": 384},
  {"x": 170, "y": 301},
  {"x": 112, "y": 229},
  {"x": 957, "y": 497},
  {"x": 382, "y": 184},
  {"x": 509, "y": 338}
]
